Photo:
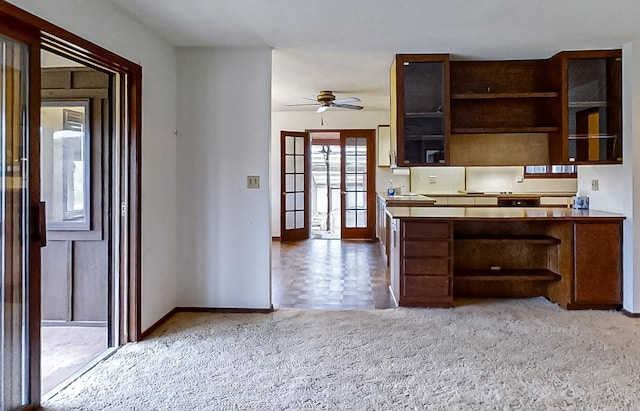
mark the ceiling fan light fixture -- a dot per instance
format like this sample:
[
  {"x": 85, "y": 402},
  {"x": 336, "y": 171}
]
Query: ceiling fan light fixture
[{"x": 322, "y": 109}]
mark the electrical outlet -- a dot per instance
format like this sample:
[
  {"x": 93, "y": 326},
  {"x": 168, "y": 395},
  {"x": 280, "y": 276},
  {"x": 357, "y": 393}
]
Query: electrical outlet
[
  {"x": 595, "y": 185},
  {"x": 432, "y": 179},
  {"x": 253, "y": 181}
]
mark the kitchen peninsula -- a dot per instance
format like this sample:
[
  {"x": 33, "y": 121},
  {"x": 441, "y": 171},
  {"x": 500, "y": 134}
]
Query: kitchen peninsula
[{"x": 572, "y": 257}]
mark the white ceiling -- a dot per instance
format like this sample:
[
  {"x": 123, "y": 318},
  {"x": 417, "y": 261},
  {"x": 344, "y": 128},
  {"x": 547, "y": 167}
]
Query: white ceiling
[{"x": 347, "y": 45}]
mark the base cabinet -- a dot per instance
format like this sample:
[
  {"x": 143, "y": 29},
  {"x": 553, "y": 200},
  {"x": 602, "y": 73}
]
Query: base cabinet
[
  {"x": 576, "y": 264},
  {"x": 598, "y": 264}
]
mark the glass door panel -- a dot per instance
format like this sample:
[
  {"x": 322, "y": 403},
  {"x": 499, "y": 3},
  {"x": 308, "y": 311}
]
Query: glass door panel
[
  {"x": 14, "y": 200},
  {"x": 357, "y": 183},
  {"x": 294, "y": 205}
]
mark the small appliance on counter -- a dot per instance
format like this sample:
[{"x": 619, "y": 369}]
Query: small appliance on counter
[{"x": 580, "y": 202}]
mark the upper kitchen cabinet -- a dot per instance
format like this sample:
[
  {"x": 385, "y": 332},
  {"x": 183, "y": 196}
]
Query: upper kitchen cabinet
[
  {"x": 420, "y": 108},
  {"x": 591, "y": 108}
]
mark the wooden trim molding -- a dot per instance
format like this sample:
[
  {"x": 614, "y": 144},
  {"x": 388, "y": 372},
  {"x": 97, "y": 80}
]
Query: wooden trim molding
[
  {"x": 155, "y": 326},
  {"x": 630, "y": 314}
]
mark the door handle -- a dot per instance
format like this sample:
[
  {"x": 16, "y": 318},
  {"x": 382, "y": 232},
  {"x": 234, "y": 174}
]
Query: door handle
[{"x": 42, "y": 223}]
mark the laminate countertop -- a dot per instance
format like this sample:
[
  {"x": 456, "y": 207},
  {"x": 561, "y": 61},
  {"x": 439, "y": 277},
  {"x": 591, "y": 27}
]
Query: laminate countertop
[
  {"x": 500, "y": 213},
  {"x": 407, "y": 200},
  {"x": 501, "y": 194}
]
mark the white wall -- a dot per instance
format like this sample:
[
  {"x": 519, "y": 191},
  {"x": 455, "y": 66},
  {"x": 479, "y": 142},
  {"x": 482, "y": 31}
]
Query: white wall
[
  {"x": 619, "y": 189},
  {"x": 333, "y": 120},
  {"x": 105, "y": 25},
  {"x": 224, "y": 242}
]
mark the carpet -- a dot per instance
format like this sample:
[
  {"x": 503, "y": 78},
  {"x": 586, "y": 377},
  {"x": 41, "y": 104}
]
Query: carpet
[{"x": 481, "y": 355}]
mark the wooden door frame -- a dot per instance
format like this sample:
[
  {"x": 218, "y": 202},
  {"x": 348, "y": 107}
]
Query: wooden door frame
[
  {"x": 306, "y": 232},
  {"x": 25, "y": 24},
  {"x": 371, "y": 172}
]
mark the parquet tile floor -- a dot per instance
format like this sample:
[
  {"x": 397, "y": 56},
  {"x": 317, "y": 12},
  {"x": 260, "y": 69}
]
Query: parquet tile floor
[{"x": 329, "y": 275}]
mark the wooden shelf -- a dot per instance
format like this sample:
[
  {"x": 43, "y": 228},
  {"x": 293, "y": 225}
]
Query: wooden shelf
[
  {"x": 528, "y": 239},
  {"x": 588, "y": 104},
  {"x": 591, "y": 136},
  {"x": 506, "y": 275},
  {"x": 496, "y": 130},
  {"x": 424, "y": 136},
  {"x": 434, "y": 114},
  {"x": 486, "y": 96}
]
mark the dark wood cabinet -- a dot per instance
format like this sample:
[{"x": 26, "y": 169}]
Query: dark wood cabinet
[
  {"x": 420, "y": 108},
  {"x": 590, "y": 109},
  {"x": 562, "y": 110},
  {"x": 426, "y": 272},
  {"x": 597, "y": 265}
]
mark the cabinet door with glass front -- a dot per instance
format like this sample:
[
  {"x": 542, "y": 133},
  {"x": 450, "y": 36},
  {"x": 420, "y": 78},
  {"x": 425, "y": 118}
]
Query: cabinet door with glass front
[
  {"x": 594, "y": 106},
  {"x": 420, "y": 108}
]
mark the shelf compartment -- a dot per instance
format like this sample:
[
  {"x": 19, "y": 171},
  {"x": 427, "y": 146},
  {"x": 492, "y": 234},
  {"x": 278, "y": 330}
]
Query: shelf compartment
[
  {"x": 503, "y": 130},
  {"x": 592, "y": 136},
  {"x": 522, "y": 95},
  {"x": 501, "y": 239},
  {"x": 528, "y": 274},
  {"x": 424, "y": 136},
  {"x": 579, "y": 104},
  {"x": 434, "y": 114}
]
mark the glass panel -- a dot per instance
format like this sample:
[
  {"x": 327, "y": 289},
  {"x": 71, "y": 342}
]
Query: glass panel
[
  {"x": 290, "y": 217},
  {"x": 299, "y": 182},
  {"x": 289, "y": 164},
  {"x": 300, "y": 145},
  {"x": 350, "y": 200},
  {"x": 350, "y": 219},
  {"x": 64, "y": 160},
  {"x": 299, "y": 219},
  {"x": 300, "y": 201},
  {"x": 299, "y": 164},
  {"x": 424, "y": 113},
  {"x": 14, "y": 223},
  {"x": 290, "y": 202},
  {"x": 361, "y": 199},
  {"x": 361, "y": 218},
  {"x": 289, "y": 180},
  {"x": 289, "y": 145}
]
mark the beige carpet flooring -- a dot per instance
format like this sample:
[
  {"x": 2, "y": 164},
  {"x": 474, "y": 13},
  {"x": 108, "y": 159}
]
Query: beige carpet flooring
[{"x": 482, "y": 355}]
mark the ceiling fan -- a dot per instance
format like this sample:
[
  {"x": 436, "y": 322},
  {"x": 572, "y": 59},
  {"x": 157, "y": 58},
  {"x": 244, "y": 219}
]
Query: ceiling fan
[{"x": 326, "y": 99}]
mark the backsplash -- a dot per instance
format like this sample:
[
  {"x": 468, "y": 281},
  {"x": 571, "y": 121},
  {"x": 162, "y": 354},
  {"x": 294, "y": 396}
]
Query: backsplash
[{"x": 442, "y": 180}]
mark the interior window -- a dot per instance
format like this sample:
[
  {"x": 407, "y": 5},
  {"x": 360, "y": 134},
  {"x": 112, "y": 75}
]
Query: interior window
[
  {"x": 65, "y": 164},
  {"x": 550, "y": 171}
]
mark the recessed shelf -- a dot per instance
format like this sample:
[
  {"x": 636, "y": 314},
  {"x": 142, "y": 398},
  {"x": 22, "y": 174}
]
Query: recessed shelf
[
  {"x": 497, "y": 130},
  {"x": 486, "y": 96},
  {"x": 434, "y": 114},
  {"x": 524, "y": 274},
  {"x": 588, "y": 104},
  {"x": 528, "y": 239},
  {"x": 591, "y": 136}
]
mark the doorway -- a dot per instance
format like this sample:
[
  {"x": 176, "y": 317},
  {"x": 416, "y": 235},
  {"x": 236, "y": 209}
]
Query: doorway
[
  {"x": 311, "y": 194},
  {"x": 23, "y": 217},
  {"x": 75, "y": 147}
]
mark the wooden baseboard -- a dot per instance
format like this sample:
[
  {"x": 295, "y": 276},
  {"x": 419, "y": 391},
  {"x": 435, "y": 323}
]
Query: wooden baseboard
[
  {"x": 168, "y": 315},
  {"x": 224, "y": 310},
  {"x": 276, "y": 239},
  {"x": 630, "y": 314},
  {"x": 157, "y": 324},
  {"x": 56, "y": 323}
]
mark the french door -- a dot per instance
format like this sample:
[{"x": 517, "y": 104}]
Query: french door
[
  {"x": 294, "y": 183},
  {"x": 358, "y": 184},
  {"x": 20, "y": 214}
]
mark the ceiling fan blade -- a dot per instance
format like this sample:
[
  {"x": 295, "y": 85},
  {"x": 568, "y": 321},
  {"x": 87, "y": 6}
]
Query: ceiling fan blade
[
  {"x": 346, "y": 100},
  {"x": 303, "y": 104},
  {"x": 322, "y": 109},
  {"x": 349, "y": 106}
]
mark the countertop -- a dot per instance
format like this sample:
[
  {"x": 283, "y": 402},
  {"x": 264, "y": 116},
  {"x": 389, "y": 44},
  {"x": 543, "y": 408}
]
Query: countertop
[
  {"x": 497, "y": 194},
  {"x": 407, "y": 200},
  {"x": 506, "y": 213}
]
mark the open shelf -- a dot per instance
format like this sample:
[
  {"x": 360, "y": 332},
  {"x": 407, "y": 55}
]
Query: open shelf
[
  {"x": 591, "y": 136},
  {"x": 528, "y": 274},
  {"x": 432, "y": 114},
  {"x": 424, "y": 136},
  {"x": 484, "y": 96},
  {"x": 588, "y": 104},
  {"x": 522, "y": 239},
  {"x": 495, "y": 130}
]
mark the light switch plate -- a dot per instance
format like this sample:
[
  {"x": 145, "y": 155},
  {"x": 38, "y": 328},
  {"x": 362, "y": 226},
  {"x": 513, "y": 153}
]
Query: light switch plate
[
  {"x": 595, "y": 185},
  {"x": 253, "y": 181}
]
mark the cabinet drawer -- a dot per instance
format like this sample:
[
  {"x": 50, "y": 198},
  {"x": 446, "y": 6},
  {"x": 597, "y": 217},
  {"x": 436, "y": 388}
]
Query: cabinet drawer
[
  {"x": 426, "y": 248},
  {"x": 426, "y": 230},
  {"x": 427, "y": 266},
  {"x": 426, "y": 286}
]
